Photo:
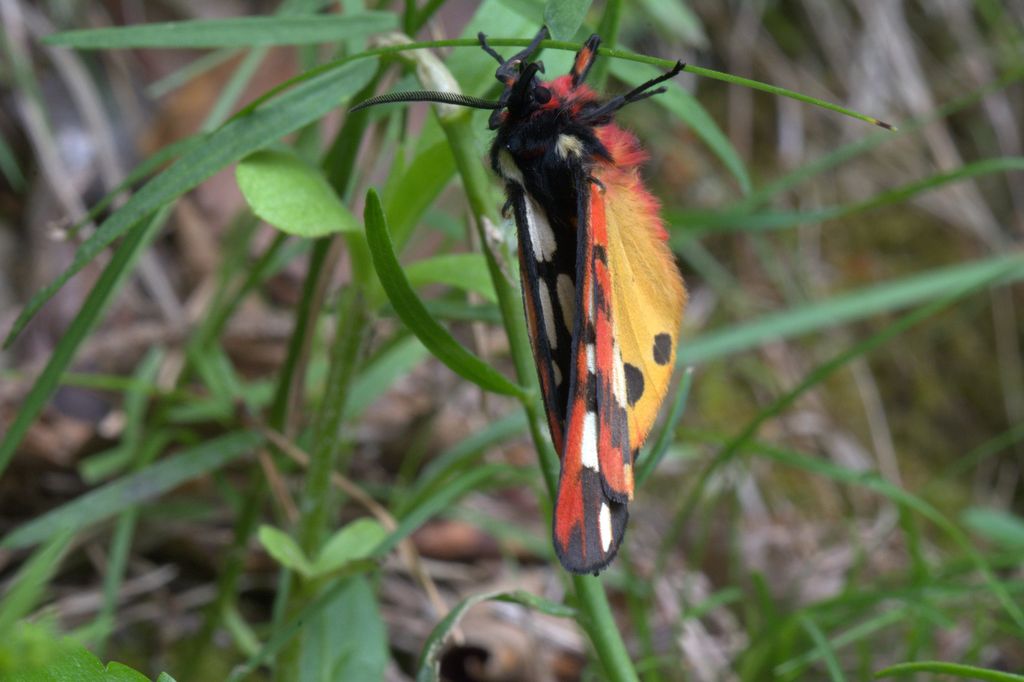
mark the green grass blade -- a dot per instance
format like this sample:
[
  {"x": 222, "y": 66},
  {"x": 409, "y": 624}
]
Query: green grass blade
[
  {"x": 191, "y": 71},
  {"x": 823, "y": 648},
  {"x": 9, "y": 167},
  {"x": 106, "y": 287},
  {"x": 241, "y": 136},
  {"x": 734, "y": 80},
  {"x": 967, "y": 672},
  {"x": 876, "y": 483},
  {"x": 28, "y": 584},
  {"x": 745, "y": 221},
  {"x": 473, "y": 480},
  {"x": 235, "y": 32},
  {"x": 849, "y": 307},
  {"x": 415, "y": 316},
  {"x": 649, "y": 463},
  {"x": 126, "y": 492},
  {"x": 857, "y": 633},
  {"x": 378, "y": 376},
  {"x": 462, "y": 457}
]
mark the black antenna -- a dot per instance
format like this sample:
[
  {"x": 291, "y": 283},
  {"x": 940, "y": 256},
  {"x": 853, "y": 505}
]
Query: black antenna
[{"x": 454, "y": 98}]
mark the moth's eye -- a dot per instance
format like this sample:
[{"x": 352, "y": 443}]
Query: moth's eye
[{"x": 542, "y": 95}]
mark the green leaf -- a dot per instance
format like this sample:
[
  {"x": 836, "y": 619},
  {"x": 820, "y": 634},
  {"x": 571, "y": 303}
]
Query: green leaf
[
  {"x": 292, "y": 195},
  {"x": 685, "y": 106},
  {"x": 164, "y": 677},
  {"x": 285, "y": 550},
  {"x": 1000, "y": 527},
  {"x": 466, "y": 271},
  {"x": 347, "y": 640},
  {"x": 126, "y": 492},
  {"x": 301, "y": 105},
  {"x": 564, "y": 17},
  {"x": 429, "y": 666},
  {"x": 119, "y": 672},
  {"x": 357, "y": 540},
  {"x": 244, "y": 32},
  {"x": 410, "y": 309},
  {"x": 34, "y": 653},
  {"x": 823, "y": 647},
  {"x": 967, "y": 672}
]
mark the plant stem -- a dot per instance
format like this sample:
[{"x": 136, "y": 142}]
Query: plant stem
[{"x": 317, "y": 499}]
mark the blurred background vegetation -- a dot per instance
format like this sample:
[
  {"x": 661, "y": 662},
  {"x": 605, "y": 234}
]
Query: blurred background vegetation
[{"x": 226, "y": 451}]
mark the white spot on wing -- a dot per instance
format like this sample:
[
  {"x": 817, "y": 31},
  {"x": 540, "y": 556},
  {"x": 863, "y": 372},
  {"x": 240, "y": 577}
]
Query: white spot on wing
[
  {"x": 591, "y": 358},
  {"x": 604, "y": 520},
  {"x": 566, "y": 299},
  {"x": 588, "y": 443},
  {"x": 557, "y": 372},
  {"x": 548, "y": 313},
  {"x": 508, "y": 167},
  {"x": 619, "y": 377},
  {"x": 542, "y": 238}
]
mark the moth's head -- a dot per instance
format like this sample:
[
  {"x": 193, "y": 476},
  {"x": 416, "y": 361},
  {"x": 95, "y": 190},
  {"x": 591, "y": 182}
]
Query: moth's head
[{"x": 524, "y": 93}]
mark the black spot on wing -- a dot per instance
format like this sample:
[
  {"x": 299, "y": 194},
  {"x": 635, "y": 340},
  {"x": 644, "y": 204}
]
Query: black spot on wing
[
  {"x": 634, "y": 383},
  {"x": 662, "y": 348}
]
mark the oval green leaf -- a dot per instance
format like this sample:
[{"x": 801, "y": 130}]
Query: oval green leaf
[
  {"x": 292, "y": 195},
  {"x": 356, "y": 540},
  {"x": 285, "y": 550}
]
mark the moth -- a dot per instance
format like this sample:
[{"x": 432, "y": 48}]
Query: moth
[{"x": 603, "y": 296}]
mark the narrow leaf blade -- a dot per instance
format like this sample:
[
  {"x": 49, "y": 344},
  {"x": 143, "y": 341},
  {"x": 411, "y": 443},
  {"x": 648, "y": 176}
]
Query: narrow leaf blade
[
  {"x": 415, "y": 316},
  {"x": 235, "y": 32},
  {"x": 126, "y": 492}
]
